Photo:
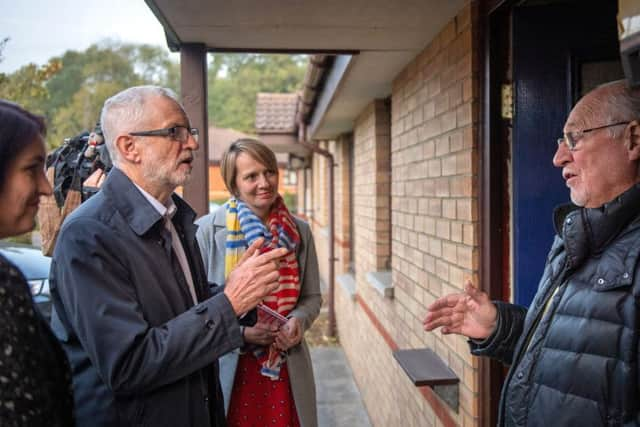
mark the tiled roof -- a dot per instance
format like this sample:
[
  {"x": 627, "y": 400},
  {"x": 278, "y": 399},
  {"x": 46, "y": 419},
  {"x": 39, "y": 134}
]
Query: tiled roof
[
  {"x": 220, "y": 139},
  {"x": 276, "y": 112}
]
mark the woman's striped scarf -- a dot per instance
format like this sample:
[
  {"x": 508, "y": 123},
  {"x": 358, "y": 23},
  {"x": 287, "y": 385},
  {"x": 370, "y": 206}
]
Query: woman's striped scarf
[{"x": 280, "y": 231}]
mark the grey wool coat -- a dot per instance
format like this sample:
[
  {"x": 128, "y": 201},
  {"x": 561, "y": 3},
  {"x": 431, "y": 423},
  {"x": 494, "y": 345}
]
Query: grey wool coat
[{"x": 211, "y": 236}]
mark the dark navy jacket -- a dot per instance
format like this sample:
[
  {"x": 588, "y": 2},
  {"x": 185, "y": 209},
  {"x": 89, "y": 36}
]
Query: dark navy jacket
[
  {"x": 140, "y": 352},
  {"x": 574, "y": 353}
]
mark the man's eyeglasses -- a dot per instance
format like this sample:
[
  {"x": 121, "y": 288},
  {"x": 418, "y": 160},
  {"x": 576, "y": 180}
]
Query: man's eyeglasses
[
  {"x": 177, "y": 133},
  {"x": 571, "y": 138}
]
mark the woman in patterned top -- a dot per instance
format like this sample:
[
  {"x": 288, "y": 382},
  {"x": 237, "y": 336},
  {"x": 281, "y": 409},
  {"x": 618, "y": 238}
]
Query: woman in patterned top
[{"x": 35, "y": 384}]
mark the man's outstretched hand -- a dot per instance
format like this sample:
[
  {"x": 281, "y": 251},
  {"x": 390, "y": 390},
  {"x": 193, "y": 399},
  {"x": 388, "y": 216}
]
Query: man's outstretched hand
[
  {"x": 254, "y": 277},
  {"x": 469, "y": 313}
]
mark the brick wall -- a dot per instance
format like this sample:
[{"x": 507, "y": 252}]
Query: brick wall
[
  {"x": 371, "y": 188},
  {"x": 320, "y": 201},
  {"x": 432, "y": 230},
  {"x": 390, "y": 399},
  {"x": 340, "y": 150},
  {"x": 320, "y": 209},
  {"x": 434, "y": 192},
  {"x": 301, "y": 191}
]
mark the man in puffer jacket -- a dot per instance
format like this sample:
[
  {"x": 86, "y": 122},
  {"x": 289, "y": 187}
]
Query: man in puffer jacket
[{"x": 574, "y": 352}]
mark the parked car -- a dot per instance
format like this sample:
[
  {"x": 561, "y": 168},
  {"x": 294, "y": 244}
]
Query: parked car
[{"x": 35, "y": 268}]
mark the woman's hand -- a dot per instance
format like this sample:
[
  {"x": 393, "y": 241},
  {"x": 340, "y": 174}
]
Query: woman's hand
[
  {"x": 289, "y": 335},
  {"x": 260, "y": 334}
]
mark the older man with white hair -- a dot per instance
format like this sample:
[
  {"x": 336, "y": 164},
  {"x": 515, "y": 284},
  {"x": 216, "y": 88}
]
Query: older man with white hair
[
  {"x": 141, "y": 326},
  {"x": 574, "y": 352}
]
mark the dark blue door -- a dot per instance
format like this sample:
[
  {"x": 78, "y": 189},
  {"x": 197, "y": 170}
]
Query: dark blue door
[{"x": 559, "y": 51}]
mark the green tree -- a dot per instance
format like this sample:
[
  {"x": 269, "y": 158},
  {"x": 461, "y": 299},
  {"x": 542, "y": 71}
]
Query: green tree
[
  {"x": 71, "y": 89},
  {"x": 83, "y": 110},
  {"x": 235, "y": 79},
  {"x": 27, "y": 86},
  {"x": 88, "y": 78}
]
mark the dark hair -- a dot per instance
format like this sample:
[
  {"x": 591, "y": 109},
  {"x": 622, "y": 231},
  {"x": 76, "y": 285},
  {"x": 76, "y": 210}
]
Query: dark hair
[{"x": 18, "y": 129}]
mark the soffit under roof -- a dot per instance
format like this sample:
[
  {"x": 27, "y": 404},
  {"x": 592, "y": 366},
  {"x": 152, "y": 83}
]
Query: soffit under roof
[{"x": 385, "y": 35}]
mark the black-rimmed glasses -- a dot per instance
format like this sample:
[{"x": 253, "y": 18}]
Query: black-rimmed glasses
[
  {"x": 571, "y": 138},
  {"x": 177, "y": 133}
]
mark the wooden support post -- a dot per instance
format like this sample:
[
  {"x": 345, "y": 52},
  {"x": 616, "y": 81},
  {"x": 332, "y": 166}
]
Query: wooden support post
[{"x": 193, "y": 76}]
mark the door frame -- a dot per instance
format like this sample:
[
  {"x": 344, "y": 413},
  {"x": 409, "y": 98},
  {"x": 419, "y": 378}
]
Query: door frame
[{"x": 493, "y": 53}]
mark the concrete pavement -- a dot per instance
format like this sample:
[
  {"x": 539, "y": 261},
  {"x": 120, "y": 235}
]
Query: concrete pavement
[{"x": 339, "y": 401}]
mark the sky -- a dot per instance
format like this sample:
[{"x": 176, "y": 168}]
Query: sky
[{"x": 41, "y": 29}]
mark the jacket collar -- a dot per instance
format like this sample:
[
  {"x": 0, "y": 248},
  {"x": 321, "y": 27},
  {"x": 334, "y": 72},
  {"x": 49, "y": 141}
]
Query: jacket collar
[
  {"x": 588, "y": 231},
  {"x": 135, "y": 208},
  {"x": 220, "y": 216}
]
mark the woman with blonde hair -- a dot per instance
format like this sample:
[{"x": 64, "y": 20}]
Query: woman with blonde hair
[{"x": 270, "y": 380}]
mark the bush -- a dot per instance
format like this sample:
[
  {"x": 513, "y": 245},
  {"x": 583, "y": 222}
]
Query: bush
[{"x": 291, "y": 200}]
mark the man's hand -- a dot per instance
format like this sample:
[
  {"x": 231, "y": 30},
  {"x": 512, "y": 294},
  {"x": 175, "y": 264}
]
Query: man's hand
[
  {"x": 290, "y": 334},
  {"x": 261, "y": 334},
  {"x": 253, "y": 278},
  {"x": 469, "y": 313}
]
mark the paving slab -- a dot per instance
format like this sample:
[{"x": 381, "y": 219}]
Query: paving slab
[{"x": 339, "y": 400}]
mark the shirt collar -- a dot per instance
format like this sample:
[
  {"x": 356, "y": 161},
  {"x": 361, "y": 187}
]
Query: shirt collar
[{"x": 167, "y": 210}]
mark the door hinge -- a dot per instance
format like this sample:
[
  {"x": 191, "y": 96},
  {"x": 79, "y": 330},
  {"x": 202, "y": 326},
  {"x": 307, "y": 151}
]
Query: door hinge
[{"x": 507, "y": 101}]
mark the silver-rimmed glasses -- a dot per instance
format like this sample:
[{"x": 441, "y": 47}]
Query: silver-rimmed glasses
[{"x": 571, "y": 138}]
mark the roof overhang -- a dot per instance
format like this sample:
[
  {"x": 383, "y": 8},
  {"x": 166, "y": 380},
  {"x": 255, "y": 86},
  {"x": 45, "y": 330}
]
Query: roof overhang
[
  {"x": 383, "y": 36},
  {"x": 284, "y": 143}
]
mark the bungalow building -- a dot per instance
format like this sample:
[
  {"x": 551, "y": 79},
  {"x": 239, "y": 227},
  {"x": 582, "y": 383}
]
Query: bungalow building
[{"x": 430, "y": 126}]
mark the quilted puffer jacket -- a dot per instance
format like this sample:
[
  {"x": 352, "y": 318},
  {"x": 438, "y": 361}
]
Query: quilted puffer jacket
[{"x": 574, "y": 351}]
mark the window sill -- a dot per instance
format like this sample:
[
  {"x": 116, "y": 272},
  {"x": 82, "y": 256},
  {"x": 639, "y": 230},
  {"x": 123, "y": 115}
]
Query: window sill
[
  {"x": 348, "y": 283},
  {"x": 381, "y": 282},
  {"x": 425, "y": 368}
]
